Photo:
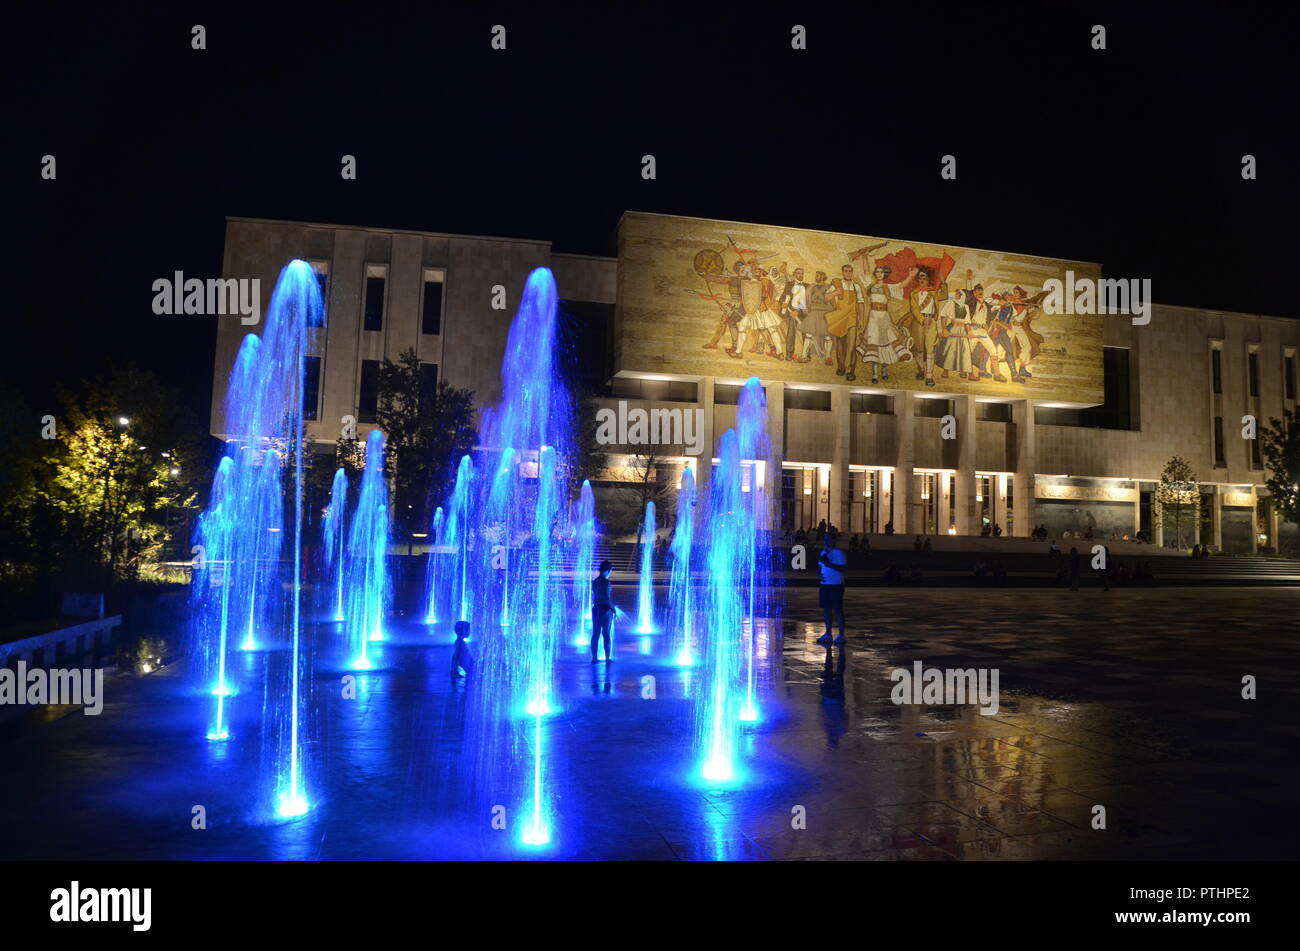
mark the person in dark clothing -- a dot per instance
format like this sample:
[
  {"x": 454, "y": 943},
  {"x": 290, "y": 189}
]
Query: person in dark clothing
[
  {"x": 602, "y": 610},
  {"x": 461, "y": 658},
  {"x": 830, "y": 592}
]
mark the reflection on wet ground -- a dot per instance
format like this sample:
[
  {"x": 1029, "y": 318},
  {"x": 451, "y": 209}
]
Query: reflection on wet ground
[{"x": 1129, "y": 700}]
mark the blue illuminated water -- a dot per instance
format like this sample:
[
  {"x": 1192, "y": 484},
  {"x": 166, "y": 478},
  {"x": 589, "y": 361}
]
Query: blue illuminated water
[
  {"x": 334, "y": 538},
  {"x": 681, "y": 590},
  {"x": 645, "y": 615},
  {"x": 583, "y": 535},
  {"x": 248, "y": 583},
  {"x": 366, "y": 586}
]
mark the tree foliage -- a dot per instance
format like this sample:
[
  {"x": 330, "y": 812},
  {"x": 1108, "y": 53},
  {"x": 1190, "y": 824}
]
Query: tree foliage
[
  {"x": 1178, "y": 497},
  {"x": 92, "y": 501},
  {"x": 427, "y": 428},
  {"x": 1281, "y": 451}
]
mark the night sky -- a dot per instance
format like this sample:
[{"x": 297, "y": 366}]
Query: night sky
[{"x": 1129, "y": 156}]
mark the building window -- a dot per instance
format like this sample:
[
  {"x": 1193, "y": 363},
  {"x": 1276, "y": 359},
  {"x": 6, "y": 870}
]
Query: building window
[
  {"x": 994, "y": 412},
  {"x": 1256, "y": 460},
  {"x": 726, "y": 394},
  {"x": 428, "y": 380},
  {"x": 808, "y": 399},
  {"x": 665, "y": 391},
  {"x": 933, "y": 408},
  {"x": 431, "y": 312},
  {"x": 310, "y": 387},
  {"x": 870, "y": 403},
  {"x": 1113, "y": 414},
  {"x": 322, "y": 271},
  {"x": 368, "y": 397},
  {"x": 1216, "y": 369},
  {"x": 1252, "y": 371},
  {"x": 374, "y": 313},
  {"x": 1219, "y": 460},
  {"x": 1288, "y": 372}
]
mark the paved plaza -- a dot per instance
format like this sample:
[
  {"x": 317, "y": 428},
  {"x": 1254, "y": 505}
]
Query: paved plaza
[{"x": 1128, "y": 699}]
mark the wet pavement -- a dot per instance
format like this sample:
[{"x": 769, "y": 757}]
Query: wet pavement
[{"x": 1129, "y": 699}]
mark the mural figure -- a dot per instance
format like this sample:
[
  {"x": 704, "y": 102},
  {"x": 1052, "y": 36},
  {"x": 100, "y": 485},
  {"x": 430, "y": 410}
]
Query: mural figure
[
  {"x": 848, "y": 300},
  {"x": 881, "y": 342},
  {"x": 815, "y": 328},
  {"x": 923, "y": 320},
  {"x": 953, "y": 351},
  {"x": 794, "y": 305}
]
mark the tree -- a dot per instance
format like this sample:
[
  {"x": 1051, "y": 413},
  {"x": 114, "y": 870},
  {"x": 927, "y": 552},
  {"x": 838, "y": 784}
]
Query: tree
[
  {"x": 1281, "y": 451},
  {"x": 588, "y": 457},
  {"x": 101, "y": 498},
  {"x": 427, "y": 428},
  {"x": 645, "y": 478},
  {"x": 1178, "y": 497}
]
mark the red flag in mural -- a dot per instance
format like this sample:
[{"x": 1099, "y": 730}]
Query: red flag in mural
[{"x": 901, "y": 263}]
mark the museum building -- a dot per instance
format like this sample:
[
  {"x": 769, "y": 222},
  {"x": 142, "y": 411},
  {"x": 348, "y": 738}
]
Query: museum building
[{"x": 928, "y": 388}]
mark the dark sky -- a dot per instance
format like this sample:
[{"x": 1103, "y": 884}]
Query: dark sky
[{"x": 1129, "y": 156}]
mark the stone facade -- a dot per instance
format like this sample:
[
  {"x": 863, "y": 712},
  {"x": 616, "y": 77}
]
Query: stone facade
[{"x": 864, "y": 455}]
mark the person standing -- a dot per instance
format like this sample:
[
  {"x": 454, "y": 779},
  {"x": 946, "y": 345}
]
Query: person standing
[
  {"x": 830, "y": 593},
  {"x": 602, "y": 610}
]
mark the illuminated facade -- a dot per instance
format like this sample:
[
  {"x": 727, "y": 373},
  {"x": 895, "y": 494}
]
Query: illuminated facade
[{"x": 1058, "y": 420}]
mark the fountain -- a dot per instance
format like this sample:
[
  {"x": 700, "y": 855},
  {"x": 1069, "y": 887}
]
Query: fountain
[
  {"x": 434, "y": 583},
  {"x": 645, "y": 614},
  {"x": 681, "y": 599},
  {"x": 583, "y": 534},
  {"x": 755, "y": 572},
  {"x": 334, "y": 538},
  {"x": 244, "y": 534},
  {"x": 512, "y": 571},
  {"x": 720, "y": 695},
  {"x": 366, "y": 558}
]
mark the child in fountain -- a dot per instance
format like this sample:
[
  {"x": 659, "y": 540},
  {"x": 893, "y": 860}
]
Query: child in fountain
[
  {"x": 461, "y": 659},
  {"x": 602, "y": 610}
]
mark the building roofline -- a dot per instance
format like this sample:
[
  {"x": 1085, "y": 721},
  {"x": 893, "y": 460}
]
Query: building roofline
[
  {"x": 585, "y": 257},
  {"x": 756, "y": 224},
  {"x": 1218, "y": 312},
  {"x": 379, "y": 230}
]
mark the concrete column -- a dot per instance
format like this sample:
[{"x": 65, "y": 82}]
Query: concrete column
[
  {"x": 1216, "y": 518},
  {"x": 944, "y": 506},
  {"x": 704, "y": 469},
  {"x": 886, "y": 490},
  {"x": 776, "y": 433},
  {"x": 839, "y": 481},
  {"x": 1274, "y": 528},
  {"x": 998, "y": 486},
  {"x": 967, "y": 520},
  {"x": 1022, "y": 412},
  {"x": 1254, "y": 527},
  {"x": 904, "y": 485},
  {"x": 1157, "y": 524}
]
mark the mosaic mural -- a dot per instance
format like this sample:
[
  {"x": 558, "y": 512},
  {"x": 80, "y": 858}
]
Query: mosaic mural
[{"x": 724, "y": 299}]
